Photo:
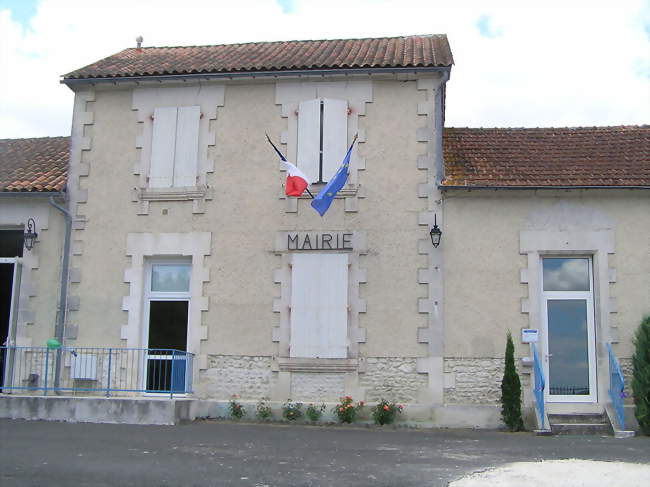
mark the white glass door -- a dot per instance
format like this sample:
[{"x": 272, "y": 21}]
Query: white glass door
[
  {"x": 166, "y": 318},
  {"x": 568, "y": 317}
]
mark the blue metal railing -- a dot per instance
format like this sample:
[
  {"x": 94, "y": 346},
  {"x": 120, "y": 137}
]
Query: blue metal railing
[
  {"x": 109, "y": 371},
  {"x": 540, "y": 384},
  {"x": 616, "y": 387}
]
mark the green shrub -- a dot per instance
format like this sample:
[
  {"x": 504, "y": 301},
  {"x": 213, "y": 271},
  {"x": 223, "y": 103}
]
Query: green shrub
[
  {"x": 511, "y": 391},
  {"x": 263, "y": 410},
  {"x": 292, "y": 410},
  {"x": 237, "y": 411},
  {"x": 385, "y": 412},
  {"x": 314, "y": 412},
  {"x": 641, "y": 375}
]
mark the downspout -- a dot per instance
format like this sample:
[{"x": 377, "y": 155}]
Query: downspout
[
  {"x": 59, "y": 328},
  {"x": 439, "y": 127}
]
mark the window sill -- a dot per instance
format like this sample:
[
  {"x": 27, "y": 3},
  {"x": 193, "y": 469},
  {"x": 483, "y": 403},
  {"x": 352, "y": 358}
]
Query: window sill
[
  {"x": 197, "y": 194},
  {"x": 348, "y": 191},
  {"x": 294, "y": 364},
  {"x": 173, "y": 194}
]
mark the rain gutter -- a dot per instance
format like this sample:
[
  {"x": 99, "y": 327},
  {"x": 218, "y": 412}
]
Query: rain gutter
[
  {"x": 469, "y": 188},
  {"x": 30, "y": 194},
  {"x": 251, "y": 74}
]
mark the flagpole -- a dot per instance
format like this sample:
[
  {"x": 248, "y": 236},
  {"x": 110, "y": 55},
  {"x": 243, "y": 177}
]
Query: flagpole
[
  {"x": 351, "y": 146},
  {"x": 285, "y": 159}
]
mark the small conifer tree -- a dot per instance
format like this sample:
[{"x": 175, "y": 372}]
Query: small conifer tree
[
  {"x": 511, "y": 391},
  {"x": 641, "y": 376}
]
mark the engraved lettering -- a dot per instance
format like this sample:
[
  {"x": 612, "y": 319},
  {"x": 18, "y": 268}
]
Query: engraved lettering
[
  {"x": 306, "y": 242},
  {"x": 326, "y": 239},
  {"x": 347, "y": 241},
  {"x": 293, "y": 239}
]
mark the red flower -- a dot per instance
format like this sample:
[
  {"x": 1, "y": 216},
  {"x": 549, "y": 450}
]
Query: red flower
[{"x": 386, "y": 408}]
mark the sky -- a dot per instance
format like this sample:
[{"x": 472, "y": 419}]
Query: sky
[{"x": 517, "y": 63}]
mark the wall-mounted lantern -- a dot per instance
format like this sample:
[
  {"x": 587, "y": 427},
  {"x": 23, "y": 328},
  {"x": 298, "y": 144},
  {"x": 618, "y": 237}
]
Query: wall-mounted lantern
[
  {"x": 435, "y": 233},
  {"x": 30, "y": 234}
]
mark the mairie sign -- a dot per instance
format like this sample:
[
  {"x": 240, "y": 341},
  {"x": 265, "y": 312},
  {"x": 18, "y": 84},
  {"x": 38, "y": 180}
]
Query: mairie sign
[{"x": 319, "y": 241}]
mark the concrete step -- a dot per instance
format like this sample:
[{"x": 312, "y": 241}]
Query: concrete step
[
  {"x": 580, "y": 424},
  {"x": 583, "y": 418}
]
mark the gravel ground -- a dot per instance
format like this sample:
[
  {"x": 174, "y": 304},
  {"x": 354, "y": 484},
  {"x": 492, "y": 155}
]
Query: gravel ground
[
  {"x": 565, "y": 473},
  {"x": 222, "y": 454}
]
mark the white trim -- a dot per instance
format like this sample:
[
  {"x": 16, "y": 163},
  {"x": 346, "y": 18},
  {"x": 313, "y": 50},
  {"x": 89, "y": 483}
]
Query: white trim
[
  {"x": 194, "y": 246},
  {"x": 432, "y": 307},
  {"x": 13, "y": 216},
  {"x": 574, "y": 241},
  {"x": 151, "y": 296},
  {"x": 12, "y": 326},
  {"x": 289, "y": 94},
  {"x": 282, "y": 364},
  {"x": 586, "y": 296},
  {"x": 209, "y": 96}
]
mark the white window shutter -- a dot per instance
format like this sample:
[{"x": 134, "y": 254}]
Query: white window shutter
[
  {"x": 308, "y": 157},
  {"x": 333, "y": 305},
  {"x": 161, "y": 170},
  {"x": 319, "y": 298},
  {"x": 187, "y": 146},
  {"x": 305, "y": 288},
  {"x": 335, "y": 135}
]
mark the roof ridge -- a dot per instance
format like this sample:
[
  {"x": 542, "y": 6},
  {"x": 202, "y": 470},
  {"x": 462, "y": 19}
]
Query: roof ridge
[
  {"x": 36, "y": 138},
  {"x": 554, "y": 128},
  {"x": 413, "y": 36}
]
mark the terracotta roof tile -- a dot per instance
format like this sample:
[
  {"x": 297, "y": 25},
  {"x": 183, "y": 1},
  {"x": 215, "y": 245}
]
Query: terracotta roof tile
[
  {"x": 39, "y": 164},
  {"x": 580, "y": 156},
  {"x": 386, "y": 52}
]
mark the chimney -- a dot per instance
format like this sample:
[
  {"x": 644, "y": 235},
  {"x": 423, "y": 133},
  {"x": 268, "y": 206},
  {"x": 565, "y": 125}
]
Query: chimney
[{"x": 139, "y": 42}]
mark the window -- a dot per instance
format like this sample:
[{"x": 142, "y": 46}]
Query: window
[
  {"x": 175, "y": 145},
  {"x": 166, "y": 324},
  {"x": 319, "y": 306},
  {"x": 322, "y": 137}
]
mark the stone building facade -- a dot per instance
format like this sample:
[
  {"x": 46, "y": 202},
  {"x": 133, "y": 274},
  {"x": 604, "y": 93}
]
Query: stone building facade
[{"x": 179, "y": 209}]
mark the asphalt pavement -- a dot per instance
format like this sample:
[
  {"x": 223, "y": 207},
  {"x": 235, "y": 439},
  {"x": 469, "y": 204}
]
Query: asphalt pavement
[{"x": 219, "y": 453}]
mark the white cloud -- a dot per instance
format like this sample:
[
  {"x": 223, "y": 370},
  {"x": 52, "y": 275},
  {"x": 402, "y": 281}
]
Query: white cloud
[{"x": 550, "y": 65}]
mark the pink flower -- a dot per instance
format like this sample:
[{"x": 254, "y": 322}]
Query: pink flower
[{"x": 386, "y": 408}]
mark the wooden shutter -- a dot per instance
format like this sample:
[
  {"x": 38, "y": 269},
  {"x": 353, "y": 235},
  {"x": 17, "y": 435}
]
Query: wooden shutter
[
  {"x": 187, "y": 146},
  {"x": 161, "y": 170},
  {"x": 334, "y": 305},
  {"x": 335, "y": 135},
  {"x": 308, "y": 158},
  {"x": 305, "y": 283},
  {"x": 319, "y": 301}
]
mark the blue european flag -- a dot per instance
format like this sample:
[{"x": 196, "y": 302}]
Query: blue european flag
[{"x": 324, "y": 198}]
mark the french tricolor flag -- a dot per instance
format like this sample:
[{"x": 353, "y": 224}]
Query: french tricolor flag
[{"x": 297, "y": 180}]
